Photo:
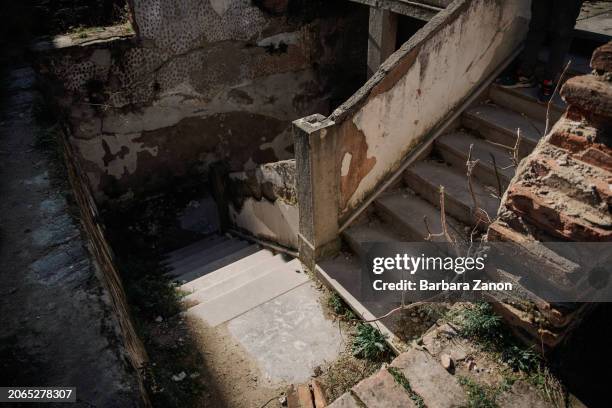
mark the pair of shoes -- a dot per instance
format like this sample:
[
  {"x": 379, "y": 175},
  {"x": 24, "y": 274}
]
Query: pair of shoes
[
  {"x": 511, "y": 81},
  {"x": 547, "y": 88}
]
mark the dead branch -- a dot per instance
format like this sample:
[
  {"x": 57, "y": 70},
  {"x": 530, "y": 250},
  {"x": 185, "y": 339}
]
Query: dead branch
[
  {"x": 471, "y": 165},
  {"x": 515, "y": 157},
  {"x": 497, "y": 177},
  {"x": 443, "y": 222},
  {"x": 553, "y": 97}
]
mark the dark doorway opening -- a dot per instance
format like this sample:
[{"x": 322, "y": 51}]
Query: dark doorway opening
[{"x": 406, "y": 28}]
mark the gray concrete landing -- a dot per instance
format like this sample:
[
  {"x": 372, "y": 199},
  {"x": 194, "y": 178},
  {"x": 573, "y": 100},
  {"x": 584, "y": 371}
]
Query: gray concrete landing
[
  {"x": 289, "y": 336},
  {"x": 263, "y": 303}
]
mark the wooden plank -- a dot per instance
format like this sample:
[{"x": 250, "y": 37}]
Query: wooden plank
[
  {"x": 305, "y": 396},
  {"x": 320, "y": 401},
  {"x": 292, "y": 397}
]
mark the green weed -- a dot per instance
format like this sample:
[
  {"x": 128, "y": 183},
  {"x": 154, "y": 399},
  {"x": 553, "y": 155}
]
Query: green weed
[
  {"x": 479, "y": 396},
  {"x": 482, "y": 325},
  {"x": 369, "y": 343},
  {"x": 480, "y": 322},
  {"x": 520, "y": 358},
  {"x": 339, "y": 307}
]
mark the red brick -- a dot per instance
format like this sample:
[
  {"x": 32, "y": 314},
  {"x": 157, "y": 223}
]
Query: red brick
[
  {"x": 590, "y": 94},
  {"x": 602, "y": 58},
  {"x": 539, "y": 212},
  {"x": 589, "y": 151}
]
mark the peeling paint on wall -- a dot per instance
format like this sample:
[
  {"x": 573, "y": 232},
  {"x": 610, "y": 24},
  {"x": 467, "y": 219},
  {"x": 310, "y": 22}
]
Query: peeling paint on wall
[
  {"x": 113, "y": 154},
  {"x": 346, "y": 164},
  {"x": 449, "y": 64},
  {"x": 205, "y": 81}
]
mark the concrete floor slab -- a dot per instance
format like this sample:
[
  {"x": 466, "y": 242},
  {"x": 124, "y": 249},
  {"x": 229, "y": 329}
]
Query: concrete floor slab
[
  {"x": 226, "y": 307},
  {"x": 596, "y": 18},
  {"x": 289, "y": 336}
]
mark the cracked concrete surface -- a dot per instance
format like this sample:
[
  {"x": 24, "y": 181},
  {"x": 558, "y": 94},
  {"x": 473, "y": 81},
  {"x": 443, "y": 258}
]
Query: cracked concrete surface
[{"x": 56, "y": 325}]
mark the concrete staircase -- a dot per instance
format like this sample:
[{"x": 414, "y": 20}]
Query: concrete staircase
[
  {"x": 225, "y": 277},
  {"x": 487, "y": 127},
  {"x": 490, "y": 127}
]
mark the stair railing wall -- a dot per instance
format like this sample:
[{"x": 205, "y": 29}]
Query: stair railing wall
[{"x": 342, "y": 160}]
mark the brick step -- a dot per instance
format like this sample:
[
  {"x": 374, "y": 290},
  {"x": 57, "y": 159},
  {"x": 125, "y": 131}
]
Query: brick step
[
  {"x": 415, "y": 369},
  {"x": 525, "y": 100},
  {"x": 427, "y": 378},
  {"x": 426, "y": 177},
  {"x": 194, "y": 248},
  {"x": 200, "y": 271},
  {"x": 382, "y": 390},
  {"x": 206, "y": 256},
  {"x": 560, "y": 215},
  {"x": 235, "y": 268},
  {"x": 454, "y": 147},
  {"x": 231, "y": 282},
  {"x": 499, "y": 125},
  {"x": 405, "y": 211},
  {"x": 521, "y": 324},
  {"x": 252, "y": 294}
]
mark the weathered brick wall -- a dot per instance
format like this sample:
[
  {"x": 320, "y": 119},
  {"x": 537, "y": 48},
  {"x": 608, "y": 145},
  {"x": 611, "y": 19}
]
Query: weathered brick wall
[
  {"x": 562, "y": 192},
  {"x": 201, "y": 81}
]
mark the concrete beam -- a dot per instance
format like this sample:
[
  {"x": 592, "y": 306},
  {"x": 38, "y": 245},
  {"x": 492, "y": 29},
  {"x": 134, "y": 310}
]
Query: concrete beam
[
  {"x": 317, "y": 188},
  {"x": 421, "y": 10},
  {"x": 382, "y": 37}
]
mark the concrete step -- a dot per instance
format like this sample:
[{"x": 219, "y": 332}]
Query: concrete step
[
  {"x": 194, "y": 248},
  {"x": 342, "y": 273},
  {"x": 405, "y": 210},
  {"x": 499, "y": 125},
  {"x": 206, "y": 256},
  {"x": 240, "y": 266},
  {"x": 227, "y": 285},
  {"x": 525, "y": 100},
  {"x": 358, "y": 237},
  {"x": 426, "y": 177},
  {"x": 244, "y": 298},
  {"x": 454, "y": 147},
  {"x": 580, "y": 65},
  {"x": 200, "y": 271},
  {"x": 382, "y": 390}
]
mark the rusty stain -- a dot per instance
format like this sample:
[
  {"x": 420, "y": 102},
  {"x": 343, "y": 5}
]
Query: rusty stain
[{"x": 353, "y": 142}]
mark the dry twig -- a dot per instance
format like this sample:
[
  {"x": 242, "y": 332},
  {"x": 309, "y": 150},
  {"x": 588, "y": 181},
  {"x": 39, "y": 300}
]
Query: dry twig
[
  {"x": 550, "y": 102},
  {"x": 497, "y": 177}
]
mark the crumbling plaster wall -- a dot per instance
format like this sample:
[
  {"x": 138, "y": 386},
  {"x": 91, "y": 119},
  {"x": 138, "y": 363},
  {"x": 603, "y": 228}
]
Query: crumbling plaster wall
[
  {"x": 263, "y": 202},
  {"x": 203, "y": 80},
  {"x": 418, "y": 86}
]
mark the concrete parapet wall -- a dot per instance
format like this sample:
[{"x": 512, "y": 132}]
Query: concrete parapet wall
[
  {"x": 413, "y": 91},
  {"x": 417, "y": 87}
]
